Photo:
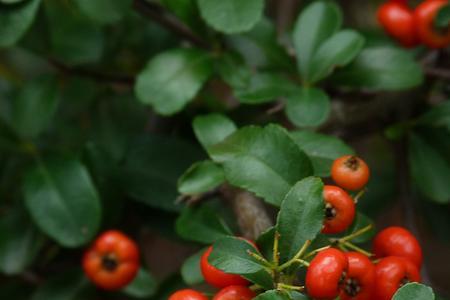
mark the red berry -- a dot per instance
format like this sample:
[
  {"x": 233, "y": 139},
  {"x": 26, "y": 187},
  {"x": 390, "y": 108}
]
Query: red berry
[
  {"x": 112, "y": 261},
  {"x": 397, "y": 241},
  {"x": 235, "y": 292},
  {"x": 360, "y": 280},
  {"x": 187, "y": 294},
  {"x": 216, "y": 277},
  {"x": 339, "y": 209},
  {"x": 350, "y": 172},
  {"x": 325, "y": 272},
  {"x": 391, "y": 273},
  {"x": 398, "y": 21},
  {"x": 424, "y": 17}
]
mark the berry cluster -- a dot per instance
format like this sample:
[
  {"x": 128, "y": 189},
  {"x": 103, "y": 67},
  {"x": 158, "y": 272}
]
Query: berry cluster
[{"x": 412, "y": 27}]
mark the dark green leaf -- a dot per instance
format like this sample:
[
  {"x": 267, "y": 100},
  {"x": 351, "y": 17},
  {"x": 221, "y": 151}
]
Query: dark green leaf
[
  {"x": 186, "y": 10},
  {"x": 230, "y": 254},
  {"x": 35, "y": 105},
  {"x": 63, "y": 201},
  {"x": 414, "y": 291},
  {"x": 337, "y": 51},
  {"x": 10, "y": 1},
  {"x": 265, "y": 243},
  {"x": 381, "y": 68},
  {"x": 231, "y": 16},
  {"x": 202, "y": 225},
  {"x": 233, "y": 71},
  {"x": 66, "y": 286},
  {"x": 265, "y": 161},
  {"x": 142, "y": 286},
  {"x": 73, "y": 39},
  {"x": 301, "y": 216},
  {"x": 437, "y": 116},
  {"x": 264, "y": 87},
  {"x": 321, "y": 149},
  {"x": 443, "y": 17},
  {"x": 104, "y": 11},
  {"x": 280, "y": 295},
  {"x": 212, "y": 129},
  {"x": 190, "y": 271},
  {"x": 152, "y": 167},
  {"x": 19, "y": 242},
  {"x": 201, "y": 177},
  {"x": 171, "y": 79},
  {"x": 308, "y": 107},
  {"x": 316, "y": 23},
  {"x": 430, "y": 171},
  {"x": 15, "y": 21}
]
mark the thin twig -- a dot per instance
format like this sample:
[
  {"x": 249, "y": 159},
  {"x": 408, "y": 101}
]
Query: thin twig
[
  {"x": 438, "y": 73},
  {"x": 159, "y": 15}
]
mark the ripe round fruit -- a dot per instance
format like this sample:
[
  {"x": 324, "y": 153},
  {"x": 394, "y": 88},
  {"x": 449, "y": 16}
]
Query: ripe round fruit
[
  {"x": 398, "y": 21},
  {"x": 187, "y": 294},
  {"x": 112, "y": 261},
  {"x": 350, "y": 172},
  {"x": 360, "y": 279},
  {"x": 424, "y": 17},
  {"x": 397, "y": 241},
  {"x": 325, "y": 273},
  {"x": 235, "y": 292},
  {"x": 216, "y": 277},
  {"x": 391, "y": 273},
  {"x": 339, "y": 209}
]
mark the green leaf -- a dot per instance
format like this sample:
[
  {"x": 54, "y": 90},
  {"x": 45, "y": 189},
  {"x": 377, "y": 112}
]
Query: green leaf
[
  {"x": 232, "y": 69},
  {"x": 231, "y": 16},
  {"x": 437, "y": 116},
  {"x": 265, "y": 243},
  {"x": 264, "y": 87},
  {"x": 63, "y": 201},
  {"x": 317, "y": 22},
  {"x": 202, "y": 225},
  {"x": 337, "y": 51},
  {"x": 414, "y": 291},
  {"x": 212, "y": 129},
  {"x": 321, "y": 149},
  {"x": 301, "y": 216},
  {"x": 201, "y": 177},
  {"x": 381, "y": 68},
  {"x": 35, "y": 106},
  {"x": 442, "y": 19},
  {"x": 186, "y": 10},
  {"x": 104, "y": 11},
  {"x": 142, "y": 286},
  {"x": 10, "y": 1},
  {"x": 190, "y": 270},
  {"x": 73, "y": 39},
  {"x": 172, "y": 79},
  {"x": 230, "y": 254},
  {"x": 308, "y": 107},
  {"x": 152, "y": 167},
  {"x": 280, "y": 295},
  {"x": 429, "y": 170},
  {"x": 70, "y": 285},
  {"x": 15, "y": 20},
  {"x": 261, "y": 160},
  {"x": 19, "y": 242}
]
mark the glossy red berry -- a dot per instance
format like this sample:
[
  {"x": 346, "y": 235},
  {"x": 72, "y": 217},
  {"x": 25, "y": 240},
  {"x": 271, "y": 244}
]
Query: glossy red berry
[
  {"x": 235, "y": 292},
  {"x": 216, "y": 277},
  {"x": 187, "y": 294},
  {"x": 397, "y": 241},
  {"x": 360, "y": 280},
  {"x": 112, "y": 261},
  {"x": 398, "y": 21},
  {"x": 350, "y": 172},
  {"x": 391, "y": 273},
  {"x": 339, "y": 209},
  {"x": 424, "y": 17},
  {"x": 325, "y": 273}
]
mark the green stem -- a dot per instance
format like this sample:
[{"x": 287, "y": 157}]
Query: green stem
[
  {"x": 355, "y": 234},
  {"x": 297, "y": 256},
  {"x": 276, "y": 253},
  {"x": 358, "y": 249},
  {"x": 283, "y": 286}
]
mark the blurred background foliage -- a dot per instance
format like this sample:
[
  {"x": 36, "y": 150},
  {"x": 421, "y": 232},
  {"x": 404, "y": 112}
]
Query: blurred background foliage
[{"x": 97, "y": 102}]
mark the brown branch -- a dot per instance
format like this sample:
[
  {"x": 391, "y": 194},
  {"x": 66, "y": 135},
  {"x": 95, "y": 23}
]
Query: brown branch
[
  {"x": 438, "y": 73},
  {"x": 251, "y": 214},
  {"x": 96, "y": 75},
  {"x": 159, "y": 15}
]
